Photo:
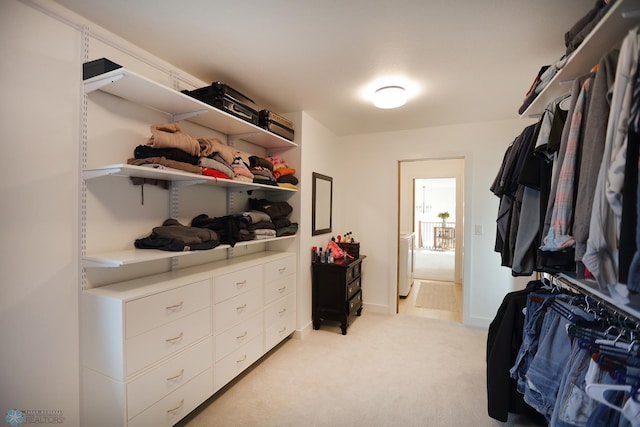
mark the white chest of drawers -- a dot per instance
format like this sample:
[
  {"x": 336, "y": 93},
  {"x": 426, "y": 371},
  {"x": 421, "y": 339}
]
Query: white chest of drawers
[{"x": 154, "y": 348}]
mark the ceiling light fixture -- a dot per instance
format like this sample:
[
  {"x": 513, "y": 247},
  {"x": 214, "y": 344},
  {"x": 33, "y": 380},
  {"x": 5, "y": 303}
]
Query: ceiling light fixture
[{"x": 390, "y": 97}]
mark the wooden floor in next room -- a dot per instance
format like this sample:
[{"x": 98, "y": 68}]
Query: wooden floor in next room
[{"x": 434, "y": 293}]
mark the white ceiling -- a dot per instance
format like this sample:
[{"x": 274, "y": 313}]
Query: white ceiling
[{"x": 467, "y": 60}]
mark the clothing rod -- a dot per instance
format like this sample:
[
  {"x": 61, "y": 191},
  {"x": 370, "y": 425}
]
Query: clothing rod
[{"x": 621, "y": 312}]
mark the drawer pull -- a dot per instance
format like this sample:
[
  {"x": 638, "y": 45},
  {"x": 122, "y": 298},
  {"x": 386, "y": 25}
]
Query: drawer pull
[
  {"x": 176, "y": 408},
  {"x": 176, "y": 338},
  {"x": 242, "y": 307},
  {"x": 241, "y": 284},
  {"x": 282, "y": 289},
  {"x": 242, "y": 360},
  {"x": 244, "y": 334},
  {"x": 175, "y": 306},
  {"x": 282, "y": 270},
  {"x": 283, "y": 311},
  {"x": 282, "y": 330},
  {"x": 175, "y": 377}
]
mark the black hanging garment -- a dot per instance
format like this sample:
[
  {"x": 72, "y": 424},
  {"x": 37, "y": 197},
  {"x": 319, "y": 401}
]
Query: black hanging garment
[{"x": 503, "y": 344}]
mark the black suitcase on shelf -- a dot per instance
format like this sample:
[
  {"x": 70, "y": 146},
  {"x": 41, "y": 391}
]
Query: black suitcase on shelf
[
  {"x": 277, "y": 124},
  {"x": 226, "y": 98}
]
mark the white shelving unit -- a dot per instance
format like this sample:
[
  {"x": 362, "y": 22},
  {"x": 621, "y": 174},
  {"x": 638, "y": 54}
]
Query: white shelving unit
[
  {"x": 178, "y": 177},
  {"x": 623, "y": 15},
  {"x": 129, "y": 85},
  {"x": 133, "y": 87},
  {"x": 134, "y": 256}
]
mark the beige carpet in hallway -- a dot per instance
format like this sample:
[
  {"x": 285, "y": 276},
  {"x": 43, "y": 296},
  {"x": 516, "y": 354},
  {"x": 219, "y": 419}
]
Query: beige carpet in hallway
[
  {"x": 387, "y": 371},
  {"x": 437, "y": 296}
]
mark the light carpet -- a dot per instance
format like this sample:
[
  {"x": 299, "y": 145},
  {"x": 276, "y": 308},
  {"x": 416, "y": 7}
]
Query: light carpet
[
  {"x": 437, "y": 295},
  {"x": 434, "y": 265},
  {"x": 387, "y": 371}
]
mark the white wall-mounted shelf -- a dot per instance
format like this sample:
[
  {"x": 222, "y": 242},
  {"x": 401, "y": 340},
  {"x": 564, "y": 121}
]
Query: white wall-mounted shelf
[
  {"x": 181, "y": 178},
  {"x": 591, "y": 286},
  {"x": 135, "y": 256},
  {"x": 609, "y": 32},
  {"x": 129, "y": 85}
]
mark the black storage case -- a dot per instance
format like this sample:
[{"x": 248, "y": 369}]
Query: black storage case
[
  {"x": 277, "y": 124},
  {"x": 225, "y": 98},
  {"x": 97, "y": 67}
]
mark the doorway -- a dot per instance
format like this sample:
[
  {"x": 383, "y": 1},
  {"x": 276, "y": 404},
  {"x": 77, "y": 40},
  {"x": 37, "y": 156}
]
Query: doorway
[{"x": 430, "y": 236}]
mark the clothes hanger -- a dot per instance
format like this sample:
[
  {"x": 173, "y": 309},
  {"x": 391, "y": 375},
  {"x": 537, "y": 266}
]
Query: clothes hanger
[{"x": 598, "y": 391}]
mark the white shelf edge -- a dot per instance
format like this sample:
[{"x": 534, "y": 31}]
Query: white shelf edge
[
  {"x": 633, "y": 308},
  {"x": 610, "y": 30},
  {"x": 135, "y": 256},
  {"x": 134, "y": 87},
  {"x": 177, "y": 176}
]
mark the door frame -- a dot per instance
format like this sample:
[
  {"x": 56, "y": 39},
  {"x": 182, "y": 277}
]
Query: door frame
[{"x": 460, "y": 211}]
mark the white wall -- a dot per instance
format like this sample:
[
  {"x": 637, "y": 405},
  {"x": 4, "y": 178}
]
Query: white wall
[
  {"x": 319, "y": 149},
  {"x": 40, "y": 78},
  {"x": 369, "y": 204}
]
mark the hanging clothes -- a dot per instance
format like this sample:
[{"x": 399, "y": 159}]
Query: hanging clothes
[
  {"x": 559, "y": 235},
  {"x": 601, "y": 255}
]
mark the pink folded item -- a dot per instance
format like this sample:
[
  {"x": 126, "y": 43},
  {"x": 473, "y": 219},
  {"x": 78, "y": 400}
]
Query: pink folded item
[{"x": 240, "y": 168}]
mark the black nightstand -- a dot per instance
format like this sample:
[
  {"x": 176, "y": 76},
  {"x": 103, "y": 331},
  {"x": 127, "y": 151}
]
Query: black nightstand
[{"x": 337, "y": 291}]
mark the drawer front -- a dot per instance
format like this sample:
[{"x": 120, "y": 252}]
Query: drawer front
[
  {"x": 148, "y": 313},
  {"x": 278, "y": 288},
  {"x": 232, "y": 284},
  {"x": 154, "y": 345},
  {"x": 279, "y": 330},
  {"x": 354, "y": 303},
  {"x": 155, "y": 385},
  {"x": 353, "y": 272},
  {"x": 237, "y": 336},
  {"x": 352, "y": 288},
  {"x": 280, "y": 268},
  {"x": 233, "y": 364},
  {"x": 280, "y": 309},
  {"x": 176, "y": 405},
  {"x": 275, "y": 334},
  {"x": 237, "y": 309}
]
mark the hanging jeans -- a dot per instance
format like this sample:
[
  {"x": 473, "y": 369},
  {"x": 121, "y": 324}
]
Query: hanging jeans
[
  {"x": 573, "y": 406},
  {"x": 549, "y": 363},
  {"x": 536, "y": 306}
]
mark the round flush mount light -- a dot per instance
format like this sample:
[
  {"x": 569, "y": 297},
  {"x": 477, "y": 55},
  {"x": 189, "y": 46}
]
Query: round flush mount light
[{"x": 390, "y": 97}]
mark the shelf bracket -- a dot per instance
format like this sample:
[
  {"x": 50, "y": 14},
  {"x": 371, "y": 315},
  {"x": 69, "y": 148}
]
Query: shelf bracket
[
  {"x": 236, "y": 137},
  {"x": 631, "y": 14},
  {"x": 188, "y": 183},
  {"x": 183, "y": 116},
  {"x": 99, "y": 84}
]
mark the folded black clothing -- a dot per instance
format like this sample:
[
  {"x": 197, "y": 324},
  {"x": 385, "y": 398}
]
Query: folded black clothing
[
  {"x": 256, "y": 161},
  {"x": 581, "y": 29},
  {"x": 172, "y": 229},
  {"x": 281, "y": 222},
  {"x": 583, "y": 22},
  {"x": 228, "y": 228},
  {"x": 288, "y": 179},
  {"x": 153, "y": 241},
  {"x": 273, "y": 209},
  {"x": 264, "y": 180},
  {"x": 146, "y": 151}
]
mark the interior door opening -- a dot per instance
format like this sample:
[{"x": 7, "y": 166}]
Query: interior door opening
[{"x": 430, "y": 239}]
